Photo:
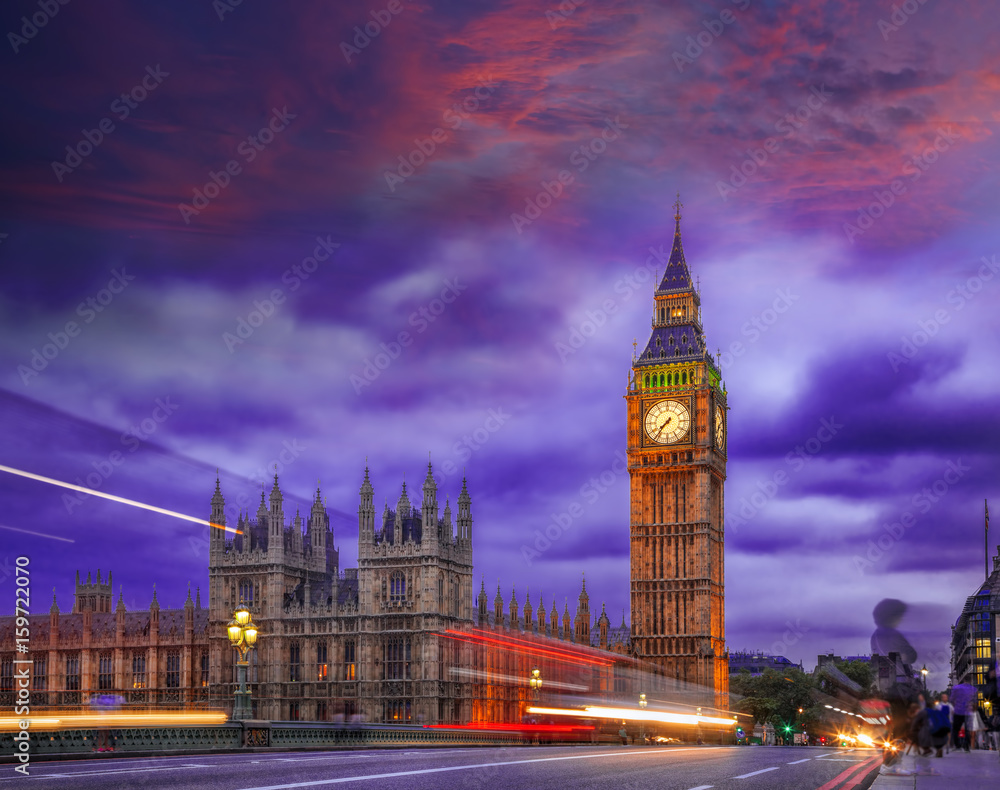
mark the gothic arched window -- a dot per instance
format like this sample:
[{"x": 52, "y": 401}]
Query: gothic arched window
[
  {"x": 662, "y": 382},
  {"x": 647, "y": 380},
  {"x": 684, "y": 377},
  {"x": 397, "y": 586},
  {"x": 246, "y": 592}
]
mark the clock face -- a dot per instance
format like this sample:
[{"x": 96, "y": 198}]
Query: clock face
[
  {"x": 720, "y": 428},
  {"x": 667, "y": 421}
]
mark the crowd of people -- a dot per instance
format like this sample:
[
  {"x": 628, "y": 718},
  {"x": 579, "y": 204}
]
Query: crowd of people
[{"x": 950, "y": 722}]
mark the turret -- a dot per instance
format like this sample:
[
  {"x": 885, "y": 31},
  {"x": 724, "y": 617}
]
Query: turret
[
  {"x": 403, "y": 510},
  {"x": 429, "y": 511},
  {"x": 514, "y": 622},
  {"x": 120, "y": 618},
  {"x": 498, "y": 607},
  {"x": 483, "y": 602},
  {"x": 555, "y": 619},
  {"x": 366, "y": 513},
  {"x": 188, "y": 616},
  {"x": 276, "y": 516},
  {"x": 296, "y": 541},
  {"x": 567, "y": 632},
  {"x": 464, "y": 521},
  {"x": 528, "y": 622},
  {"x": 603, "y": 623},
  {"x": 582, "y": 622},
  {"x": 54, "y": 619},
  {"x": 317, "y": 531},
  {"x": 542, "y": 624},
  {"x": 154, "y": 619},
  {"x": 217, "y": 537}
]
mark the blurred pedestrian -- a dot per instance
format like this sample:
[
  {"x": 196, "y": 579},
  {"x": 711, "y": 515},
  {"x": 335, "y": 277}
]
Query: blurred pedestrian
[{"x": 963, "y": 699}]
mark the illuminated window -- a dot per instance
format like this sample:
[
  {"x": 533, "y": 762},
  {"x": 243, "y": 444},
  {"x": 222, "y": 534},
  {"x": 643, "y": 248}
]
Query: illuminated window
[
  {"x": 204, "y": 668},
  {"x": 647, "y": 380},
  {"x": 321, "y": 661},
  {"x": 350, "y": 667},
  {"x": 138, "y": 670}
]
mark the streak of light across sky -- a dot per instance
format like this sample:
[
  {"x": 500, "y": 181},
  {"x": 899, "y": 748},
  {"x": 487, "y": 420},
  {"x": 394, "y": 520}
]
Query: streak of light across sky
[
  {"x": 38, "y": 534},
  {"x": 113, "y": 498}
]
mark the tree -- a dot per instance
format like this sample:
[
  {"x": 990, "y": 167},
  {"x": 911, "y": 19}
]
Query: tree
[
  {"x": 775, "y": 698},
  {"x": 861, "y": 672}
]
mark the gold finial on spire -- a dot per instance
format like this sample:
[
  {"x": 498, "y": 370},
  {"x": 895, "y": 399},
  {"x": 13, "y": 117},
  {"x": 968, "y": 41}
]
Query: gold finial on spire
[{"x": 677, "y": 207}]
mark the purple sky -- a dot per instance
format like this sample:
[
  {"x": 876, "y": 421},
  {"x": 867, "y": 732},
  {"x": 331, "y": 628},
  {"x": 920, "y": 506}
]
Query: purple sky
[{"x": 830, "y": 108}]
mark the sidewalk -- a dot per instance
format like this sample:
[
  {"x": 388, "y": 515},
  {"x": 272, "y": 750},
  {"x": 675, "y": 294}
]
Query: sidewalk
[{"x": 975, "y": 770}]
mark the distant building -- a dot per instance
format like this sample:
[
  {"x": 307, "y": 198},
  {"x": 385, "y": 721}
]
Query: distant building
[
  {"x": 757, "y": 662},
  {"x": 974, "y": 637},
  {"x": 888, "y": 670}
]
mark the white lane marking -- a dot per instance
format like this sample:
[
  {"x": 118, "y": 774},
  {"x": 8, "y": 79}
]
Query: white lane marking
[
  {"x": 368, "y": 777},
  {"x": 701, "y": 787},
  {"x": 754, "y": 773},
  {"x": 800, "y": 761},
  {"x": 81, "y": 774}
]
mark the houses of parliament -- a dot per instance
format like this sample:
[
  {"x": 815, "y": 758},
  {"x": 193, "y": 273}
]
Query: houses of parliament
[{"x": 405, "y": 636}]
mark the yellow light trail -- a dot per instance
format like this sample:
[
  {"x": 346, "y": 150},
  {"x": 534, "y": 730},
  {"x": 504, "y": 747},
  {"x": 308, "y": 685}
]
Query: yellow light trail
[
  {"x": 633, "y": 714},
  {"x": 113, "y": 498},
  {"x": 83, "y": 721}
]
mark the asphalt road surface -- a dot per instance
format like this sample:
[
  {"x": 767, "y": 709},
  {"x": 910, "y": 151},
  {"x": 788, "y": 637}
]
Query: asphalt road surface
[{"x": 527, "y": 768}]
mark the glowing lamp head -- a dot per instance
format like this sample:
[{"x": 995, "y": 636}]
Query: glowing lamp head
[
  {"x": 242, "y": 615},
  {"x": 250, "y": 635},
  {"x": 235, "y": 633}
]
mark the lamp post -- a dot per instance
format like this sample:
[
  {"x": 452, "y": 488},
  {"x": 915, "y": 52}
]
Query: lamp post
[
  {"x": 535, "y": 681},
  {"x": 243, "y": 636},
  {"x": 923, "y": 674},
  {"x": 642, "y": 722}
]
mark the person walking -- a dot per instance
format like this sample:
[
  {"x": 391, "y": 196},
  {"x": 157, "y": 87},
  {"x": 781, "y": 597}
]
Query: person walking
[
  {"x": 945, "y": 706},
  {"x": 963, "y": 699}
]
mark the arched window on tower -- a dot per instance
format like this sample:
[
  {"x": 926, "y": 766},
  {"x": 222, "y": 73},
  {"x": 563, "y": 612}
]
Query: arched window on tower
[
  {"x": 397, "y": 586},
  {"x": 662, "y": 381},
  {"x": 684, "y": 377},
  {"x": 646, "y": 384},
  {"x": 670, "y": 379}
]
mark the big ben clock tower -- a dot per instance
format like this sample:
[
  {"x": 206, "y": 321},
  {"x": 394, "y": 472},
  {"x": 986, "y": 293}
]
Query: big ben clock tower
[{"x": 677, "y": 466}]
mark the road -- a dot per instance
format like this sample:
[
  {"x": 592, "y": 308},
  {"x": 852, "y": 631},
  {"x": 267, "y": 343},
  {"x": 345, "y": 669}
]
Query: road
[{"x": 524, "y": 768}]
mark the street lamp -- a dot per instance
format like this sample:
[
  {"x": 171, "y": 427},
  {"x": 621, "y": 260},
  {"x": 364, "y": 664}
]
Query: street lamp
[
  {"x": 642, "y": 722},
  {"x": 923, "y": 673},
  {"x": 243, "y": 636},
  {"x": 535, "y": 682}
]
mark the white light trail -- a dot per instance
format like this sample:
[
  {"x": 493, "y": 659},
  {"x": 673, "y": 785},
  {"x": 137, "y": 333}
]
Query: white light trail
[
  {"x": 37, "y": 534},
  {"x": 113, "y": 498}
]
